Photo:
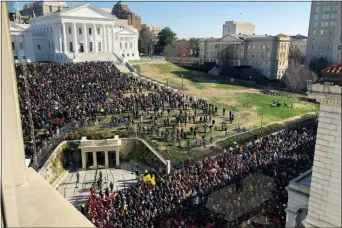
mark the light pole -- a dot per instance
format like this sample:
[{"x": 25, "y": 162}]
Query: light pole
[
  {"x": 182, "y": 81},
  {"x": 167, "y": 82},
  {"x": 250, "y": 82}
]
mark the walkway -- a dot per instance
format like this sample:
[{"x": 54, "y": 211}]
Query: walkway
[{"x": 121, "y": 178}]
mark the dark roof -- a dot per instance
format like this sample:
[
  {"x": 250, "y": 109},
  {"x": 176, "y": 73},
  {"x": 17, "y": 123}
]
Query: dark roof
[
  {"x": 336, "y": 69},
  {"x": 299, "y": 37}
]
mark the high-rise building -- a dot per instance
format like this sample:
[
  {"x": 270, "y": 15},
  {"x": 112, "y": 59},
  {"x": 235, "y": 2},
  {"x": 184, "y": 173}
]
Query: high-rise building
[
  {"x": 238, "y": 27},
  {"x": 121, "y": 11},
  {"x": 154, "y": 30},
  {"x": 41, "y": 8},
  {"x": 324, "y": 35}
]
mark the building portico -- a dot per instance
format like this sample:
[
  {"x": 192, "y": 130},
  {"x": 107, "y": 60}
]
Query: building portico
[
  {"x": 94, "y": 146},
  {"x": 76, "y": 31}
]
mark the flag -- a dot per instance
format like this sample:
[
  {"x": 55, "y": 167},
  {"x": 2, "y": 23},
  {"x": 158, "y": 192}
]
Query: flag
[
  {"x": 153, "y": 180},
  {"x": 147, "y": 178}
]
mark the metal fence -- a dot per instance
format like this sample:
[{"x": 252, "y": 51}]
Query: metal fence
[{"x": 49, "y": 145}]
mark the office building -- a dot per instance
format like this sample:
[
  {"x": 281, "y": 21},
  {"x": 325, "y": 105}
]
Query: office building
[
  {"x": 238, "y": 27},
  {"x": 324, "y": 35}
]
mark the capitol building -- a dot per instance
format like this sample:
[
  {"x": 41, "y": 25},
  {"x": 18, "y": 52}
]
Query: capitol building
[{"x": 75, "y": 34}]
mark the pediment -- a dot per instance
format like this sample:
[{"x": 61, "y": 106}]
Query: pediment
[
  {"x": 230, "y": 38},
  {"x": 89, "y": 11},
  {"x": 126, "y": 31}
]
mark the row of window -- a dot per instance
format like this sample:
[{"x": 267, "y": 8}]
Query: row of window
[
  {"x": 258, "y": 55},
  {"x": 127, "y": 54},
  {"x": 80, "y": 31},
  {"x": 326, "y": 24},
  {"x": 299, "y": 46},
  {"x": 325, "y": 8},
  {"x": 325, "y": 16},
  {"x": 22, "y": 57},
  {"x": 258, "y": 46},
  {"x": 321, "y": 46},
  {"x": 322, "y": 32}
]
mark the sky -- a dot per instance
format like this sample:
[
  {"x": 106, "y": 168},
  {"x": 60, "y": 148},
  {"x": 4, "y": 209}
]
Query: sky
[{"x": 205, "y": 19}]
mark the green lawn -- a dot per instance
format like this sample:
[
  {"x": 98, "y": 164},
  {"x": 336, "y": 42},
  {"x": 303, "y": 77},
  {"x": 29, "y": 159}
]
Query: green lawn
[{"x": 252, "y": 109}]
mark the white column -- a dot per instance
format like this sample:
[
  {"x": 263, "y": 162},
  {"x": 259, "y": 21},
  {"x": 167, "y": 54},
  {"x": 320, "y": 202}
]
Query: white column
[
  {"x": 85, "y": 43},
  {"x": 94, "y": 38},
  {"x": 56, "y": 37},
  {"x": 113, "y": 39},
  {"x": 104, "y": 38},
  {"x": 94, "y": 160},
  {"x": 64, "y": 39},
  {"x": 17, "y": 48},
  {"x": 106, "y": 159},
  {"x": 59, "y": 39},
  {"x": 117, "y": 158},
  {"x": 84, "y": 160},
  {"x": 74, "y": 36}
]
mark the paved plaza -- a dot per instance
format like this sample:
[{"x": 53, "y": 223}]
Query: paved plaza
[{"x": 121, "y": 178}]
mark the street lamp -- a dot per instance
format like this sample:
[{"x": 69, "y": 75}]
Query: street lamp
[
  {"x": 167, "y": 82},
  {"x": 250, "y": 82}
]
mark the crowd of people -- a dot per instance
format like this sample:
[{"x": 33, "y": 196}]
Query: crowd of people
[
  {"x": 188, "y": 197},
  {"x": 85, "y": 92},
  {"x": 82, "y": 92}
]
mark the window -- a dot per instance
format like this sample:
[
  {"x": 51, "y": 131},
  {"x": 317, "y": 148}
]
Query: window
[
  {"x": 120, "y": 45},
  {"x": 315, "y": 24},
  {"x": 316, "y": 17},
  {"x": 328, "y": 47},
  {"x": 90, "y": 46},
  {"x": 50, "y": 8},
  {"x": 313, "y": 46},
  {"x": 89, "y": 31},
  {"x": 15, "y": 57},
  {"x": 80, "y": 31},
  {"x": 253, "y": 45},
  {"x": 63, "y": 46},
  {"x": 125, "y": 45},
  {"x": 333, "y": 16},
  {"x": 249, "y": 46},
  {"x": 98, "y": 31},
  {"x": 131, "y": 46},
  {"x": 328, "y": 8},
  {"x": 99, "y": 46},
  {"x": 314, "y": 32},
  {"x": 38, "y": 47},
  {"x": 69, "y": 30},
  {"x": 322, "y": 31},
  {"x": 127, "y": 54},
  {"x": 70, "y": 46},
  {"x": 268, "y": 54},
  {"x": 317, "y": 9},
  {"x": 132, "y": 54},
  {"x": 339, "y": 47},
  {"x": 322, "y": 24},
  {"x": 327, "y": 16},
  {"x": 13, "y": 46},
  {"x": 23, "y": 57},
  {"x": 252, "y": 54},
  {"x": 324, "y": 8}
]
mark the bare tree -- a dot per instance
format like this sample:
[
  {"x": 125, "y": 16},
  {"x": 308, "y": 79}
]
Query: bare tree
[
  {"x": 228, "y": 55},
  {"x": 184, "y": 48},
  {"x": 170, "y": 50},
  {"x": 296, "y": 76},
  {"x": 145, "y": 41},
  {"x": 296, "y": 56}
]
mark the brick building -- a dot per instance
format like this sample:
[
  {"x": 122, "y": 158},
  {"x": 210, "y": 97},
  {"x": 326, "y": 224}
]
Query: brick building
[{"x": 121, "y": 11}]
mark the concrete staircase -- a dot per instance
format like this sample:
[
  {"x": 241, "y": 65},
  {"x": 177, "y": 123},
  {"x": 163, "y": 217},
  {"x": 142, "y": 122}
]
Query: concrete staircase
[
  {"x": 103, "y": 56},
  {"x": 100, "y": 56}
]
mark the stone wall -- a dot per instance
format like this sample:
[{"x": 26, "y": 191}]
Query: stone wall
[{"x": 325, "y": 191}]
